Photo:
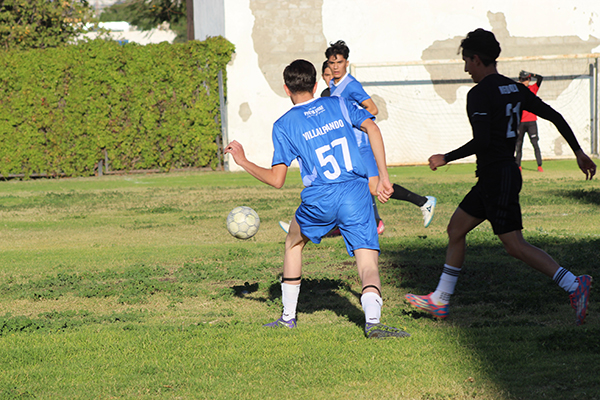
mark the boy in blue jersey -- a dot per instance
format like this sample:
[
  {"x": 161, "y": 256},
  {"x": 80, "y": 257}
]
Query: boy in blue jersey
[
  {"x": 494, "y": 107},
  {"x": 318, "y": 133},
  {"x": 345, "y": 85}
]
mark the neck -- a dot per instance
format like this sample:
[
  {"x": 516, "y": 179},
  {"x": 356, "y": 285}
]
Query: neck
[
  {"x": 336, "y": 81},
  {"x": 300, "y": 97}
]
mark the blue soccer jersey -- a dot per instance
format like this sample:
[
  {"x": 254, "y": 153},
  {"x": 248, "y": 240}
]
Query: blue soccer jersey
[
  {"x": 351, "y": 89},
  {"x": 319, "y": 133}
]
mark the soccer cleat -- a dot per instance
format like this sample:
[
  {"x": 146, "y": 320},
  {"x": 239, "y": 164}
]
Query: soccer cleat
[
  {"x": 380, "y": 227},
  {"x": 428, "y": 209},
  {"x": 285, "y": 226},
  {"x": 580, "y": 297},
  {"x": 424, "y": 303},
  {"x": 280, "y": 323},
  {"x": 540, "y": 169},
  {"x": 380, "y": 331}
]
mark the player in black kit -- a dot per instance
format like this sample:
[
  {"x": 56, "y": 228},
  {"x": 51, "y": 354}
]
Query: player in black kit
[{"x": 494, "y": 107}]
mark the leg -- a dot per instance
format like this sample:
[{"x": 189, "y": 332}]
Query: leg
[
  {"x": 367, "y": 261},
  {"x": 373, "y": 181},
  {"x": 578, "y": 287},
  {"x": 519, "y": 248},
  {"x": 292, "y": 272},
  {"x": 534, "y": 139},
  {"x": 292, "y": 260},
  {"x": 436, "y": 303},
  {"x": 402, "y": 193},
  {"x": 519, "y": 145},
  {"x": 460, "y": 224}
]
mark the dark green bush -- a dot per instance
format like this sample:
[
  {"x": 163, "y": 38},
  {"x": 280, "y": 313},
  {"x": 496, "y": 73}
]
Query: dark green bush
[{"x": 143, "y": 107}]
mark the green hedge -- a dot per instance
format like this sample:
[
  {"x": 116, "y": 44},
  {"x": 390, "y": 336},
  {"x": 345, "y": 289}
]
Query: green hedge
[{"x": 143, "y": 107}]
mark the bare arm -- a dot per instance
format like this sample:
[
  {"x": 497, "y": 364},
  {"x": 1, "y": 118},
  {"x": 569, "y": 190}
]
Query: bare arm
[
  {"x": 384, "y": 187},
  {"x": 370, "y": 106},
  {"x": 274, "y": 176}
]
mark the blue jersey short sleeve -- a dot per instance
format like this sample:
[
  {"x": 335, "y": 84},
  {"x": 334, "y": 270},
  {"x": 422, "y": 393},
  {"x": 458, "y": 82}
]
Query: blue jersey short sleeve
[
  {"x": 319, "y": 134},
  {"x": 351, "y": 89}
]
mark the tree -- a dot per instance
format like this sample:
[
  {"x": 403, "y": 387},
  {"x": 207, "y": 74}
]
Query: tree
[
  {"x": 148, "y": 14},
  {"x": 29, "y": 24}
]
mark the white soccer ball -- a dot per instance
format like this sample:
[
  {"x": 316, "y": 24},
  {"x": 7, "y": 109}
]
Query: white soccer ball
[{"x": 243, "y": 222}]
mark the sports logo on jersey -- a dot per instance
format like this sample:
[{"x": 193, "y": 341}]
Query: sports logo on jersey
[{"x": 314, "y": 111}]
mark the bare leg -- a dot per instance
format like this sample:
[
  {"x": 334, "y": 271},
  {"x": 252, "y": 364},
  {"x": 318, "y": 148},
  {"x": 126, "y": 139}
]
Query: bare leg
[
  {"x": 460, "y": 224},
  {"x": 367, "y": 261},
  {"x": 519, "y": 248},
  {"x": 292, "y": 261}
]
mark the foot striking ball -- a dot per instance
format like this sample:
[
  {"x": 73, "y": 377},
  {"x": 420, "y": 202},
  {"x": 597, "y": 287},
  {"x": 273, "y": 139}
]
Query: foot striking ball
[{"x": 243, "y": 222}]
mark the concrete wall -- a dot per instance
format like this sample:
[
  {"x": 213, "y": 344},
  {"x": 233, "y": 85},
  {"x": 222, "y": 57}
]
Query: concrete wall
[{"x": 268, "y": 34}]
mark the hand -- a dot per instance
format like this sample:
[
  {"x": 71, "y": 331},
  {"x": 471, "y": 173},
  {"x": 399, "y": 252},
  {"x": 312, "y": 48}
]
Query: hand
[
  {"x": 585, "y": 164},
  {"x": 436, "y": 160},
  {"x": 237, "y": 151},
  {"x": 384, "y": 190}
]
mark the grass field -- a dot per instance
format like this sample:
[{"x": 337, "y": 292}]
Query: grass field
[{"x": 131, "y": 287}]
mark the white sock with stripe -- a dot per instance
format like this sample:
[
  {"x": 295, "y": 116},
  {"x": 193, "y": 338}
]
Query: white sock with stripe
[
  {"x": 446, "y": 285},
  {"x": 566, "y": 280}
]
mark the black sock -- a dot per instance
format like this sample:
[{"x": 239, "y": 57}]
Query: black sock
[
  {"x": 375, "y": 211},
  {"x": 402, "y": 193}
]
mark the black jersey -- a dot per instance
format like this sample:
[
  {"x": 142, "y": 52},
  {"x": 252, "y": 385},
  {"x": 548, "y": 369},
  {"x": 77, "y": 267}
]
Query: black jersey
[{"x": 494, "y": 107}]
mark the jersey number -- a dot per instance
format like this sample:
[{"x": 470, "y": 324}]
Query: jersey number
[
  {"x": 330, "y": 159},
  {"x": 514, "y": 118}
]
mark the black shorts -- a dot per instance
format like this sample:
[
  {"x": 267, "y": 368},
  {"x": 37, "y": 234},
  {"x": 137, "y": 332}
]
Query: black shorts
[{"x": 495, "y": 197}]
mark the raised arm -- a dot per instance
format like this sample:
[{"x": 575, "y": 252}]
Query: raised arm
[{"x": 274, "y": 176}]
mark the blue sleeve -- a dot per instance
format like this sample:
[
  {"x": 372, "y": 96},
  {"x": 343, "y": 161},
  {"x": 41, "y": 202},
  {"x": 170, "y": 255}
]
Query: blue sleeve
[
  {"x": 283, "y": 150},
  {"x": 354, "y": 114},
  {"x": 355, "y": 92}
]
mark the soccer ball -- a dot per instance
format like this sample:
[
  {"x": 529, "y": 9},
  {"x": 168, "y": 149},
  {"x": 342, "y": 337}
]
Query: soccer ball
[{"x": 243, "y": 222}]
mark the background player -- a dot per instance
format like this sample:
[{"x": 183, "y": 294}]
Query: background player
[
  {"x": 345, "y": 85},
  {"x": 318, "y": 133},
  {"x": 327, "y": 76},
  {"x": 495, "y": 197},
  {"x": 528, "y": 123}
]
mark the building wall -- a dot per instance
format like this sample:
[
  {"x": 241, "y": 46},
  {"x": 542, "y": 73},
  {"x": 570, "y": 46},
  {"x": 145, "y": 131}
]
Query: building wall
[{"x": 268, "y": 34}]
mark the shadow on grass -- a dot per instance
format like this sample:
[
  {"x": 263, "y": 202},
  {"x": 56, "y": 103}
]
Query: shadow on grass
[
  {"x": 517, "y": 320},
  {"x": 588, "y": 196},
  {"x": 315, "y": 295}
]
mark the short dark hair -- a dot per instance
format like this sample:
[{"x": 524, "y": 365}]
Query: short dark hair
[
  {"x": 325, "y": 66},
  {"x": 336, "y": 48},
  {"x": 300, "y": 76},
  {"x": 483, "y": 43}
]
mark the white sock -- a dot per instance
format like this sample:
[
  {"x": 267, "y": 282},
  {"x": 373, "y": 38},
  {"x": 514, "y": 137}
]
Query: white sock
[
  {"x": 446, "y": 285},
  {"x": 566, "y": 280},
  {"x": 371, "y": 304},
  {"x": 289, "y": 298}
]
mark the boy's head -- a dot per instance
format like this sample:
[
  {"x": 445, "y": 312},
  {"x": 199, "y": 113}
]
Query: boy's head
[
  {"x": 337, "y": 48},
  {"x": 337, "y": 59},
  {"x": 326, "y": 73},
  {"x": 300, "y": 76},
  {"x": 483, "y": 44}
]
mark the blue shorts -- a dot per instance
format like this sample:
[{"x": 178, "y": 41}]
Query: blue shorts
[{"x": 347, "y": 205}]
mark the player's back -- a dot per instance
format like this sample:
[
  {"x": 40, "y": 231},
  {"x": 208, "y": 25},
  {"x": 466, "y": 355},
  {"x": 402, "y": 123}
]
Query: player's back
[
  {"x": 499, "y": 101},
  {"x": 319, "y": 134}
]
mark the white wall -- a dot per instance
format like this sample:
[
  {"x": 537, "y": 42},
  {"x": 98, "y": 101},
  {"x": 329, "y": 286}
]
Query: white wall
[{"x": 268, "y": 34}]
